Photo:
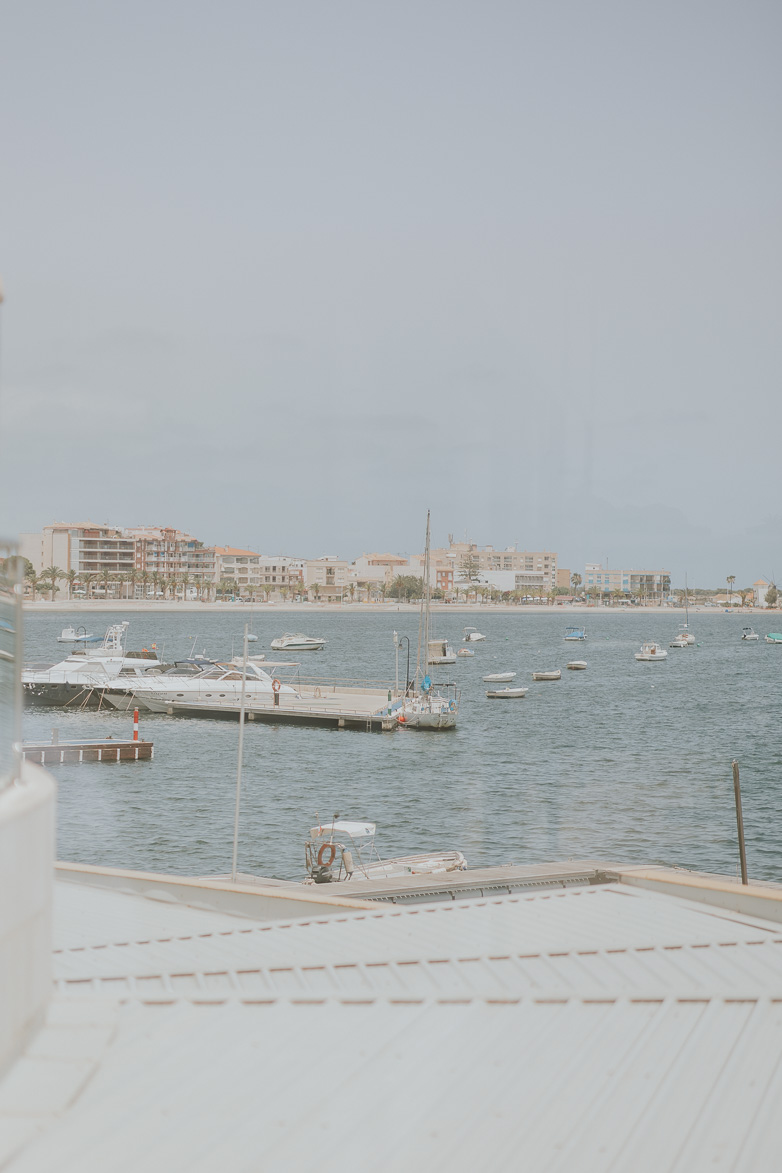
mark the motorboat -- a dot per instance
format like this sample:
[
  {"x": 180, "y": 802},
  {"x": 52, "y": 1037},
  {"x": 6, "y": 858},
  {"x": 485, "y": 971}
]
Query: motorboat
[
  {"x": 651, "y": 650},
  {"x": 345, "y": 850},
  {"x": 576, "y": 665},
  {"x": 678, "y": 642},
  {"x": 214, "y": 683},
  {"x": 472, "y": 636},
  {"x": 499, "y": 677},
  {"x": 76, "y": 635},
  {"x": 297, "y": 642},
  {"x": 441, "y": 652},
  {"x": 465, "y": 653},
  {"x": 497, "y": 694},
  {"x": 774, "y": 637},
  {"x": 79, "y": 680},
  {"x": 749, "y": 634},
  {"x": 575, "y": 633},
  {"x": 555, "y": 675}
]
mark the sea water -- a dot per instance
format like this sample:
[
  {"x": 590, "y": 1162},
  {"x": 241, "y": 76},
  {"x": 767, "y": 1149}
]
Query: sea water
[{"x": 625, "y": 761}]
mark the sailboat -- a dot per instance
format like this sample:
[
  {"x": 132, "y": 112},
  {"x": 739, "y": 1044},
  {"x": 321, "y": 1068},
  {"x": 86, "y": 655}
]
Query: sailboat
[
  {"x": 424, "y": 708},
  {"x": 684, "y": 637}
]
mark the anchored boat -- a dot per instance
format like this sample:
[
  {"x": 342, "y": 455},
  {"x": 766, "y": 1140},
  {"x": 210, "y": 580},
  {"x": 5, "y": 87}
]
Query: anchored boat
[
  {"x": 555, "y": 675},
  {"x": 575, "y": 633},
  {"x": 297, "y": 642},
  {"x": 651, "y": 650},
  {"x": 345, "y": 850},
  {"x": 505, "y": 694}
]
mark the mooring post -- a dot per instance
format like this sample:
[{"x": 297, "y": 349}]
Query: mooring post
[
  {"x": 740, "y": 822},
  {"x": 55, "y": 736},
  {"x": 135, "y": 724},
  {"x": 240, "y": 748}
]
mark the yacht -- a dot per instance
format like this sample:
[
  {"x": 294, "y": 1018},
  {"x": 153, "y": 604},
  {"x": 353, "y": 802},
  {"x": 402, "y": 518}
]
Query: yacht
[
  {"x": 296, "y": 642},
  {"x": 79, "y": 679},
  {"x": 651, "y": 650},
  {"x": 472, "y": 636},
  {"x": 348, "y": 848},
  {"x": 215, "y": 682}
]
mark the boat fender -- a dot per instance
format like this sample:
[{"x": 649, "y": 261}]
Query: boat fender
[
  {"x": 331, "y": 849},
  {"x": 276, "y": 684},
  {"x": 317, "y": 694},
  {"x": 401, "y": 719},
  {"x": 347, "y": 859},
  {"x": 452, "y": 706}
]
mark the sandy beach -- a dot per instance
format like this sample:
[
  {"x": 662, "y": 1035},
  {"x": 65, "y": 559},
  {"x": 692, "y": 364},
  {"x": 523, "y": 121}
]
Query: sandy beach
[{"x": 308, "y": 609}]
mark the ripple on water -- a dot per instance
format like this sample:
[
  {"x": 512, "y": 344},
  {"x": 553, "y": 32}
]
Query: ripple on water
[{"x": 628, "y": 761}]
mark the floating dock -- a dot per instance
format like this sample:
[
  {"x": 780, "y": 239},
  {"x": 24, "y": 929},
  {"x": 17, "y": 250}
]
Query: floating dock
[
  {"x": 337, "y": 707},
  {"x": 101, "y": 750}
]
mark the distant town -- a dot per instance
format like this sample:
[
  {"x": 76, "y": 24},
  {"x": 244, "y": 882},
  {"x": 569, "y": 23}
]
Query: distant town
[{"x": 89, "y": 561}]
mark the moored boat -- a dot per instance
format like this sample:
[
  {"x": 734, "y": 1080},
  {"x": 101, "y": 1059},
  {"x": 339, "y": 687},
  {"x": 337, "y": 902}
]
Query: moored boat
[
  {"x": 298, "y": 642},
  {"x": 499, "y": 677},
  {"x": 441, "y": 652},
  {"x": 76, "y": 635},
  {"x": 576, "y": 665},
  {"x": 749, "y": 634},
  {"x": 472, "y": 635},
  {"x": 345, "y": 850},
  {"x": 505, "y": 693},
  {"x": 774, "y": 637},
  {"x": 465, "y": 653},
  {"x": 575, "y": 633},
  {"x": 651, "y": 650},
  {"x": 555, "y": 675}
]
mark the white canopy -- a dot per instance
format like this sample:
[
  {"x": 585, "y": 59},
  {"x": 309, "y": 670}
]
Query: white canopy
[{"x": 353, "y": 830}]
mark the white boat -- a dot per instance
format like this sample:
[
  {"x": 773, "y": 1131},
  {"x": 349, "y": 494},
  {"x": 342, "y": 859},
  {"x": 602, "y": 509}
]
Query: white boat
[
  {"x": 499, "y": 677},
  {"x": 684, "y": 637},
  {"x": 344, "y": 850},
  {"x": 76, "y": 635},
  {"x": 651, "y": 650},
  {"x": 217, "y": 683},
  {"x": 79, "y": 680},
  {"x": 472, "y": 636},
  {"x": 575, "y": 633},
  {"x": 748, "y": 633},
  {"x": 465, "y": 653},
  {"x": 441, "y": 652},
  {"x": 555, "y": 675},
  {"x": 576, "y": 665},
  {"x": 679, "y": 641},
  {"x": 505, "y": 693},
  {"x": 297, "y": 642},
  {"x": 424, "y": 707},
  {"x": 774, "y": 637}
]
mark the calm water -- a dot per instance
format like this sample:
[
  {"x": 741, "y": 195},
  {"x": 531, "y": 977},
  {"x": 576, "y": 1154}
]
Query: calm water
[{"x": 626, "y": 761}]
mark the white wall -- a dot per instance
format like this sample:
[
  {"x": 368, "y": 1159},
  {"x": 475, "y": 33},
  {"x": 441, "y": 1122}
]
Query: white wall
[{"x": 27, "y": 810}]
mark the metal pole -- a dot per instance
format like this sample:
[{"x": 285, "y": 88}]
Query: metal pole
[
  {"x": 239, "y": 759},
  {"x": 396, "y": 649},
  {"x": 740, "y": 822}
]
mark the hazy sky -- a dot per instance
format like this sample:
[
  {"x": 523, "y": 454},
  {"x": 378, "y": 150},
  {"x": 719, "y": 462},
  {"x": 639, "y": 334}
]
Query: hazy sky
[{"x": 287, "y": 274}]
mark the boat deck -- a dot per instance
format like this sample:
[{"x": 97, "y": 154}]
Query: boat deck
[{"x": 332, "y": 705}]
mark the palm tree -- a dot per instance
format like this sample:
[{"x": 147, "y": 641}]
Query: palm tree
[
  {"x": 155, "y": 576},
  {"x": 53, "y": 573},
  {"x": 144, "y": 577},
  {"x": 105, "y": 578},
  {"x": 730, "y": 580},
  {"x": 88, "y": 581},
  {"x": 575, "y": 582}
]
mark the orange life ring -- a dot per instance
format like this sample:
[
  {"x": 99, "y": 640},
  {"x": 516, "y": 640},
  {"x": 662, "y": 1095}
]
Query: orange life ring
[
  {"x": 276, "y": 684},
  {"x": 332, "y": 853},
  {"x": 401, "y": 718}
]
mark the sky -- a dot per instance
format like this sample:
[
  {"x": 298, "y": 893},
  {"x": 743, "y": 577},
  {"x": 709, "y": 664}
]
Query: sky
[{"x": 286, "y": 275}]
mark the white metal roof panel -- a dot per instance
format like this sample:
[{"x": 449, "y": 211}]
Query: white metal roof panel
[{"x": 651, "y": 1085}]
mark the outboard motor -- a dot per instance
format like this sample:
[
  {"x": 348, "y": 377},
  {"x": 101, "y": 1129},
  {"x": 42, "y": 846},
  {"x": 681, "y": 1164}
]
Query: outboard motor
[{"x": 322, "y": 875}]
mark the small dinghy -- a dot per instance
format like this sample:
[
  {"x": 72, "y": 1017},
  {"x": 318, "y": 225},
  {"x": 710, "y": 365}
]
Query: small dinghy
[
  {"x": 465, "y": 652},
  {"x": 499, "y": 677},
  {"x": 547, "y": 675},
  {"x": 497, "y": 694},
  {"x": 576, "y": 665}
]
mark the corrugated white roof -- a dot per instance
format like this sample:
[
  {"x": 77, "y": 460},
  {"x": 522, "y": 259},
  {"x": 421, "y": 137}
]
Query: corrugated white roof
[{"x": 606, "y": 1027}]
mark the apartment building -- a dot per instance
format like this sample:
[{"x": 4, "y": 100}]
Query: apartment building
[
  {"x": 378, "y": 568},
  {"x": 450, "y": 567},
  {"x": 327, "y": 576},
  {"x": 171, "y": 552},
  {"x": 85, "y": 548},
  {"x": 643, "y": 584}
]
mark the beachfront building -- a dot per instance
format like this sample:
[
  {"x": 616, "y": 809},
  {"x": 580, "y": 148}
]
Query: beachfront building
[
  {"x": 233, "y": 564},
  {"x": 378, "y": 568},
  {"x": 84, "y": 548},
  {"x": 760, "y": 590},
  {"x": 635, "y": 584},
  {"x": 172, "y": 555},
  {"x": 460, "y": 563},
  {"x": 326, "y": 577}
]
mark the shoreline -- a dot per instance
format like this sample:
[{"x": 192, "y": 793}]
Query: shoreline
[{"x": 143, "y": 606}]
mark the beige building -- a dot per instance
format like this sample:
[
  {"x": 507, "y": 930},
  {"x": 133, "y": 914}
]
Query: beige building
[
  {"x": 327, "y": 577},
  {"x": 84, "y": 548},
  {"x": 378, "y": 568},
  {"x": 461, "y": 562}
]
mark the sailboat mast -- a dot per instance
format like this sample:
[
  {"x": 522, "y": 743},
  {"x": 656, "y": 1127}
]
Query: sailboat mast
[{"x": 423, "y": 619}]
